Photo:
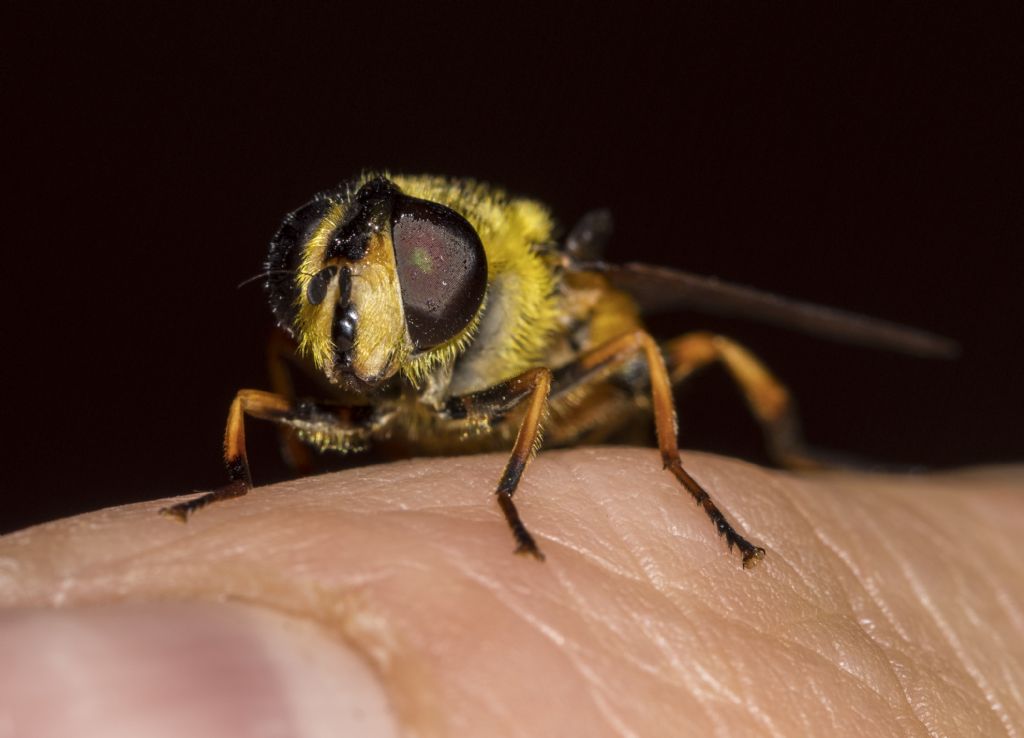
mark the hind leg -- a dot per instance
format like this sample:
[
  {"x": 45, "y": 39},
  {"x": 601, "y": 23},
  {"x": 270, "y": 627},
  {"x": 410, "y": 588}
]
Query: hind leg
[{"x": 768, "y": 399}]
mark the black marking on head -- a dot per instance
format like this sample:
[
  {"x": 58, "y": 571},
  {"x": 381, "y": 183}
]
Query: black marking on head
[
  {"x": 316, "y": 290},
  {"x": 345, "y": 286},
  {"x": 367, "y": 214},
  {"x": 285, "y": 258},
  {"x": 442, "y": 269}
]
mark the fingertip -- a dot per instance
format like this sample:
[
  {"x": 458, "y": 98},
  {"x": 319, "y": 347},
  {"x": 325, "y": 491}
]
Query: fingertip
[{"x": 174, "y": 669}]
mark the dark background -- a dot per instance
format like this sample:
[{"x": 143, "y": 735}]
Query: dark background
[{"x": 867, "y": 161}]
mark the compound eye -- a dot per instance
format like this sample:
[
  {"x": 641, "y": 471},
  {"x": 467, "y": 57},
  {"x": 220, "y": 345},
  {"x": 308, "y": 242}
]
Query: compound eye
[{"x": 442, "y": 269}]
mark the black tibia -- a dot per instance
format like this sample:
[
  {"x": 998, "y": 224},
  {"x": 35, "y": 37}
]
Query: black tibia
[
  {"x": 751, "y": 553},
  {"x": 525, "y": 544},
  {"x": 317, "y": 419},
  {"x": 234, "y": 488},
  {"x": 491, "y": 405},
  {"x": 613, "y": 355}
]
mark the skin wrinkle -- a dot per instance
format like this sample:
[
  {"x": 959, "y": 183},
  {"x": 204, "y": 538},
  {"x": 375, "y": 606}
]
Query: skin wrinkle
[
  {"x": 853, "y": 691},
  {"x": 679, "y": 678},
  {"x": 654, "y": 580},
  {"x": 748, "y": 701},
  {"x": 501, "y": 712},
  {"x": 978, "y": 622},
  {"x": 879, "y": 601},
  {"x": 659, "y": 583},
  {"x": 870, "y": 587},
  {"x": 672, "y": 495},
  {"x": 591, "y": 620},
  {"x": 532, "y": 621},
  {"x": 1012, "y": 687},
  {"x": 922, "y": 713},
  {"x": 826, "y": 701},
  {"x": 948, "y": 633},
  {"x": 789, "y": 495},
  {"x": 874, "y": 594},
  {"x": 589, "y": 553},
  {"x": 1006, "y": 546},
  {"x": 857, "y": 680},
  {"x": 791, "y": 644},
  {"x": 806, "y": 595},
  {"x": 598, "y": 696},
  {"x": 595, "y": 622},
  {"x": 720, "y": 691},
  {"x": 881, "y": 659},
  {"x": 559, "y": 640},
  {"x": 651, "y": 628},
  {"x": 927, "y": 527},
  {"x": 844, "y": 557},
  {"x": 1013, "y": 612},
  {"x": 590, "y": 556}
]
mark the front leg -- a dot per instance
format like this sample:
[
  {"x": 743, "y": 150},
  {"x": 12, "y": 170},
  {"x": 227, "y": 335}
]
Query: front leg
[{"x": 339, "y": 428}]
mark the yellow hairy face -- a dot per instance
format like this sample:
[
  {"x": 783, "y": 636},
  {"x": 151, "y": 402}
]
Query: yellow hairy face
[
  {"x": 313, "y": 321},
  {"x": 381, "y": 341}
]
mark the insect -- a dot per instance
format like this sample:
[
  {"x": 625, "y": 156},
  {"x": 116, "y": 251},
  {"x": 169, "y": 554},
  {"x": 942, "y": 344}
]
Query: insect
[{"x": 443, "y": 316}]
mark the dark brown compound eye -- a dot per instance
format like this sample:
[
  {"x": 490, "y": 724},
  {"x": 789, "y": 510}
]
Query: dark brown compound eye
[{"x": 442, "y": 269}]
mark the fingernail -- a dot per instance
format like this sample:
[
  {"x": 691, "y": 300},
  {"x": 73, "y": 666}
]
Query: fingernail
[{"x": 182, "y": 670}]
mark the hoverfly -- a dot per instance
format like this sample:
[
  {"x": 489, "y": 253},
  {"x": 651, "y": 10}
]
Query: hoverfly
[{"x": 445, "y": 317}]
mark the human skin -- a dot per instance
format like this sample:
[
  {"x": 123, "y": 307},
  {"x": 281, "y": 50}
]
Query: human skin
[{"x": 387, "y": 601}]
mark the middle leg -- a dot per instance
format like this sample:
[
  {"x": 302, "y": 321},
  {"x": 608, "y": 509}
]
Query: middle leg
[
  {"x": 536, "y": 385},
  {"x": 492, "y": 404}
]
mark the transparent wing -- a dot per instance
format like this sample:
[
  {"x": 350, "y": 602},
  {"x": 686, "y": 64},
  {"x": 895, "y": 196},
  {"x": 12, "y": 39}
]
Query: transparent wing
[{"x": 661, "y": 289}]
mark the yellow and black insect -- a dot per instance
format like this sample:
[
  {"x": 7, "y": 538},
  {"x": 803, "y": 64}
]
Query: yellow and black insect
[{"x": 445, "y": 317}]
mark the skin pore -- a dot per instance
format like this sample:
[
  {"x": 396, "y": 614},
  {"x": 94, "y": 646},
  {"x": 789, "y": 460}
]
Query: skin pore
[{"x": 386, "y": 601}]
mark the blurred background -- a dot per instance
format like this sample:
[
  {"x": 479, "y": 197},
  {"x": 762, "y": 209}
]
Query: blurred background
[{"x": 869, "y": 161}]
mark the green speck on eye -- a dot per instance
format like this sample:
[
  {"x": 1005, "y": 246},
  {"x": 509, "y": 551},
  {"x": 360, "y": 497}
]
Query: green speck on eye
[{"x": 421, "y": 260}]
